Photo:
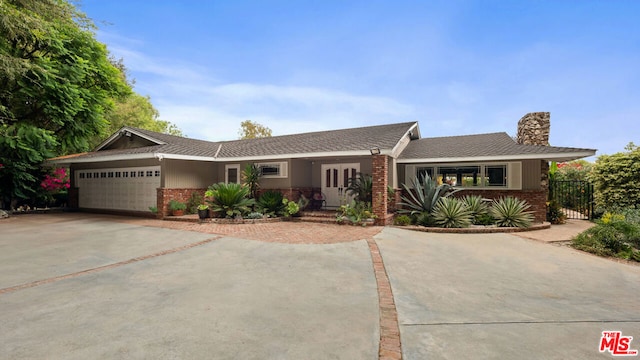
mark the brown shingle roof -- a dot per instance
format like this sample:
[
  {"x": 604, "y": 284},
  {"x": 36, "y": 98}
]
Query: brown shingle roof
[
  {"x": 354, "y": 139},
  {"x": 480, "y": 145}
]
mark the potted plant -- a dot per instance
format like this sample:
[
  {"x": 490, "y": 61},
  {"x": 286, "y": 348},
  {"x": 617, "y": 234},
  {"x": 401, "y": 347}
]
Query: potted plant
[
  {"x": 203, "y": 211},
  {"x": 177, "y": 208}
]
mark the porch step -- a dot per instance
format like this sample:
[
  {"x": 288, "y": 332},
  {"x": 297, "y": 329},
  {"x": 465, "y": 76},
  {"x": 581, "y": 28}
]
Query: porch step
[{"x": 318, "y": 216}]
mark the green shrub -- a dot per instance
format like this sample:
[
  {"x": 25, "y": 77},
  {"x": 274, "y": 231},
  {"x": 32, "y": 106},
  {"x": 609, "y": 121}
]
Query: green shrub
[
  {"x": 271, "y": 203},
  {"x": 254, "y": 215},
  {"x": 291, "y": 208},
  {"x": 452, "y": 213},
  {"x": 192, "y": 204},
  {"x": 229, "y": 200},
  {"x": 511, "y": 212},
  {"x": 425, "y": 219},
  {"x": 176, "y": 205},
  {"x": 251, "y": 178},
  {"x": 424, "y": 195},
  {"x": 477, "y": 206},
  {"x": 613, "y": 235},
  {"x": 615, "y": 179},
  {"x": 402, "y": 220},
  {"x": 555, "y": 215},
  {"x": 485, "y": 219},
  {"x": 361, "y": 187},
  {"x": 355, "y": 212}
]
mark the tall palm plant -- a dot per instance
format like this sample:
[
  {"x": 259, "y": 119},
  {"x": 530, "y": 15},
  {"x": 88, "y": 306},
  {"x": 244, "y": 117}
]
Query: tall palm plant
[
  {"x": 251, "y": 179},
  {"x": 361, "y": 187}
]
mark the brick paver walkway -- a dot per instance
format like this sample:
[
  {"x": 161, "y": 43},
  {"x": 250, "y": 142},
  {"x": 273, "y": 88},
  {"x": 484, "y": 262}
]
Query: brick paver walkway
[{"x": 289, "y": 232}]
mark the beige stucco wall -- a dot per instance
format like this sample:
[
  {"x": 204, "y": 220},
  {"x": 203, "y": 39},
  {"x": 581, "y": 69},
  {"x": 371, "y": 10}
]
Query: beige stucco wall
[
  {"x": 301, "y": 173},
  {"x": 531, "y": 174},
  {"x": 182, "y": 174}
]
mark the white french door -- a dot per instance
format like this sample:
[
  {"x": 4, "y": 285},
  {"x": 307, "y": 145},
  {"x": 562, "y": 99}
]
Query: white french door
[{"x": 335, "y": 180}]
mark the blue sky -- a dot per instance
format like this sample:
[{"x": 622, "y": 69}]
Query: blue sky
[{"x": 456, "y": 67}]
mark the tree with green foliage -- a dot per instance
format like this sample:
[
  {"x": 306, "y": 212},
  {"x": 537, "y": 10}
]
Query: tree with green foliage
[
  {"x": 616, "y": 179},
  {"x": 56, "y": 83},
  {"x": 252, "y": 130},
  {"x": 137, "y": 111},
  {"x": 573, "y": 170}
]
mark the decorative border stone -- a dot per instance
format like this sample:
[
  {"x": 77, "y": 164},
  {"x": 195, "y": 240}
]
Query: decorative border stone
[{"x": 475, "y": 230}]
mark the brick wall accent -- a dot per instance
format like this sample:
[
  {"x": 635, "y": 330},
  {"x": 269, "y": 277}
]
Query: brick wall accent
[
  {"x": 166, "y": 195},
  {"x": 536, "y": 198},
  {"x": 380, "y": 178}
]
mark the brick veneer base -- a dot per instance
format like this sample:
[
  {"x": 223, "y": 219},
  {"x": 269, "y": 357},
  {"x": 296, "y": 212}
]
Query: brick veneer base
[{"x": 166, "y": 195}]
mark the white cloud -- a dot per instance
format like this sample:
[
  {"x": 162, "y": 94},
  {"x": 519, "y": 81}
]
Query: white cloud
[{"x": 187, "y": 95}]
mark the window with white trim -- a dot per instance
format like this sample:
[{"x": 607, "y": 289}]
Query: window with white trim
[
  {"x": 487, "y": 175},
  {"x": 232, "y": 173},
  {"x": 273, "y": 169}
]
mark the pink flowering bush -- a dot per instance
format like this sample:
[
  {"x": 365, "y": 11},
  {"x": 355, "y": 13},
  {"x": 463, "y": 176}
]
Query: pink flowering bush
[{"x": 56, "y": 182}]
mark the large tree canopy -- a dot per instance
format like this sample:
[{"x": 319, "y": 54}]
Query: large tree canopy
[
  {"x": 137, "y": 111},
  {"x": 56, "y": 83},
  {"x": 616, "y": 179}
]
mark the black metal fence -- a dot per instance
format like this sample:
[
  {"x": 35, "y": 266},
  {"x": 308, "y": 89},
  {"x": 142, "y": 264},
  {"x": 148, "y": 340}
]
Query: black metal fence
[{"x": 574, "y": 196}]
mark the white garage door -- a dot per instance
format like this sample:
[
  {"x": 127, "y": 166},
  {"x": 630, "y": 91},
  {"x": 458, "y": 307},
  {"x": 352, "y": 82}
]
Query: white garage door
[{"x": 131, "y": 188}]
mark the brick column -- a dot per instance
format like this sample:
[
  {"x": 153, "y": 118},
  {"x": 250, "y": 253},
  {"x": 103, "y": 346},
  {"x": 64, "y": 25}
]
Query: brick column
[
  {"x": 379, "y": 189},
  {"x": 161, "y": 203}
]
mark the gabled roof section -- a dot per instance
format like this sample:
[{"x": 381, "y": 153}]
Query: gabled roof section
[
  {"x": 354, "y": 141},
  {"x": 484, "y": 147},
  {"x": 345, "y": 142},
  {"x": 129, "y": 132}
]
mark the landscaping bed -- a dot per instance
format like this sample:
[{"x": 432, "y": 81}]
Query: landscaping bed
[{"x": 475, "y": 229}]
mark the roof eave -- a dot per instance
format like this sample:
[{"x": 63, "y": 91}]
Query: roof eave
[
  {"x": 104, "y": 158},
  {"x": 549, "y": 157}
]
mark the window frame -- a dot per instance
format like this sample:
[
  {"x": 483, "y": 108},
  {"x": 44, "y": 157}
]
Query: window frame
[
  {"x": 282, "y": 167},
  {"x": 228, "y": 167},
  {"x": 511, "y": 181}
]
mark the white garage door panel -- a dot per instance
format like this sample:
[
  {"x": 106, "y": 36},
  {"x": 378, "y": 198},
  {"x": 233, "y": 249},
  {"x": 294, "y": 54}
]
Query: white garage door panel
[{"x": 132, "y": 188}]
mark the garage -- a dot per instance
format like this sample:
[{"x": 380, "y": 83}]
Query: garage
[{"x": 127, "y": 188}]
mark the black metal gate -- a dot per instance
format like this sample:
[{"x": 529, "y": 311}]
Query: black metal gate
[{"x": 574, "y": 196}]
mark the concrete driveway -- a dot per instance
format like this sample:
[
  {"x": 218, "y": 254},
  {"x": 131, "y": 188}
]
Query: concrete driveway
[
  {"x": 499, "y": 296},
  {"x": 77, "y": 287}
]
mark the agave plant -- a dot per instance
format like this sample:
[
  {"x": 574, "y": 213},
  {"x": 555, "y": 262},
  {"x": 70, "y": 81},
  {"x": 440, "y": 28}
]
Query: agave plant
[
  {"x": 424, "y": 195},
  {"x": 270, "y": 203},
  {"x": 229, "y": 199},
  {"x": 450, "y": 212},
  {"x": 477, "y": 206},
  {"x": 511, "y": 212},
  {"x": 361, "y": 187}
]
